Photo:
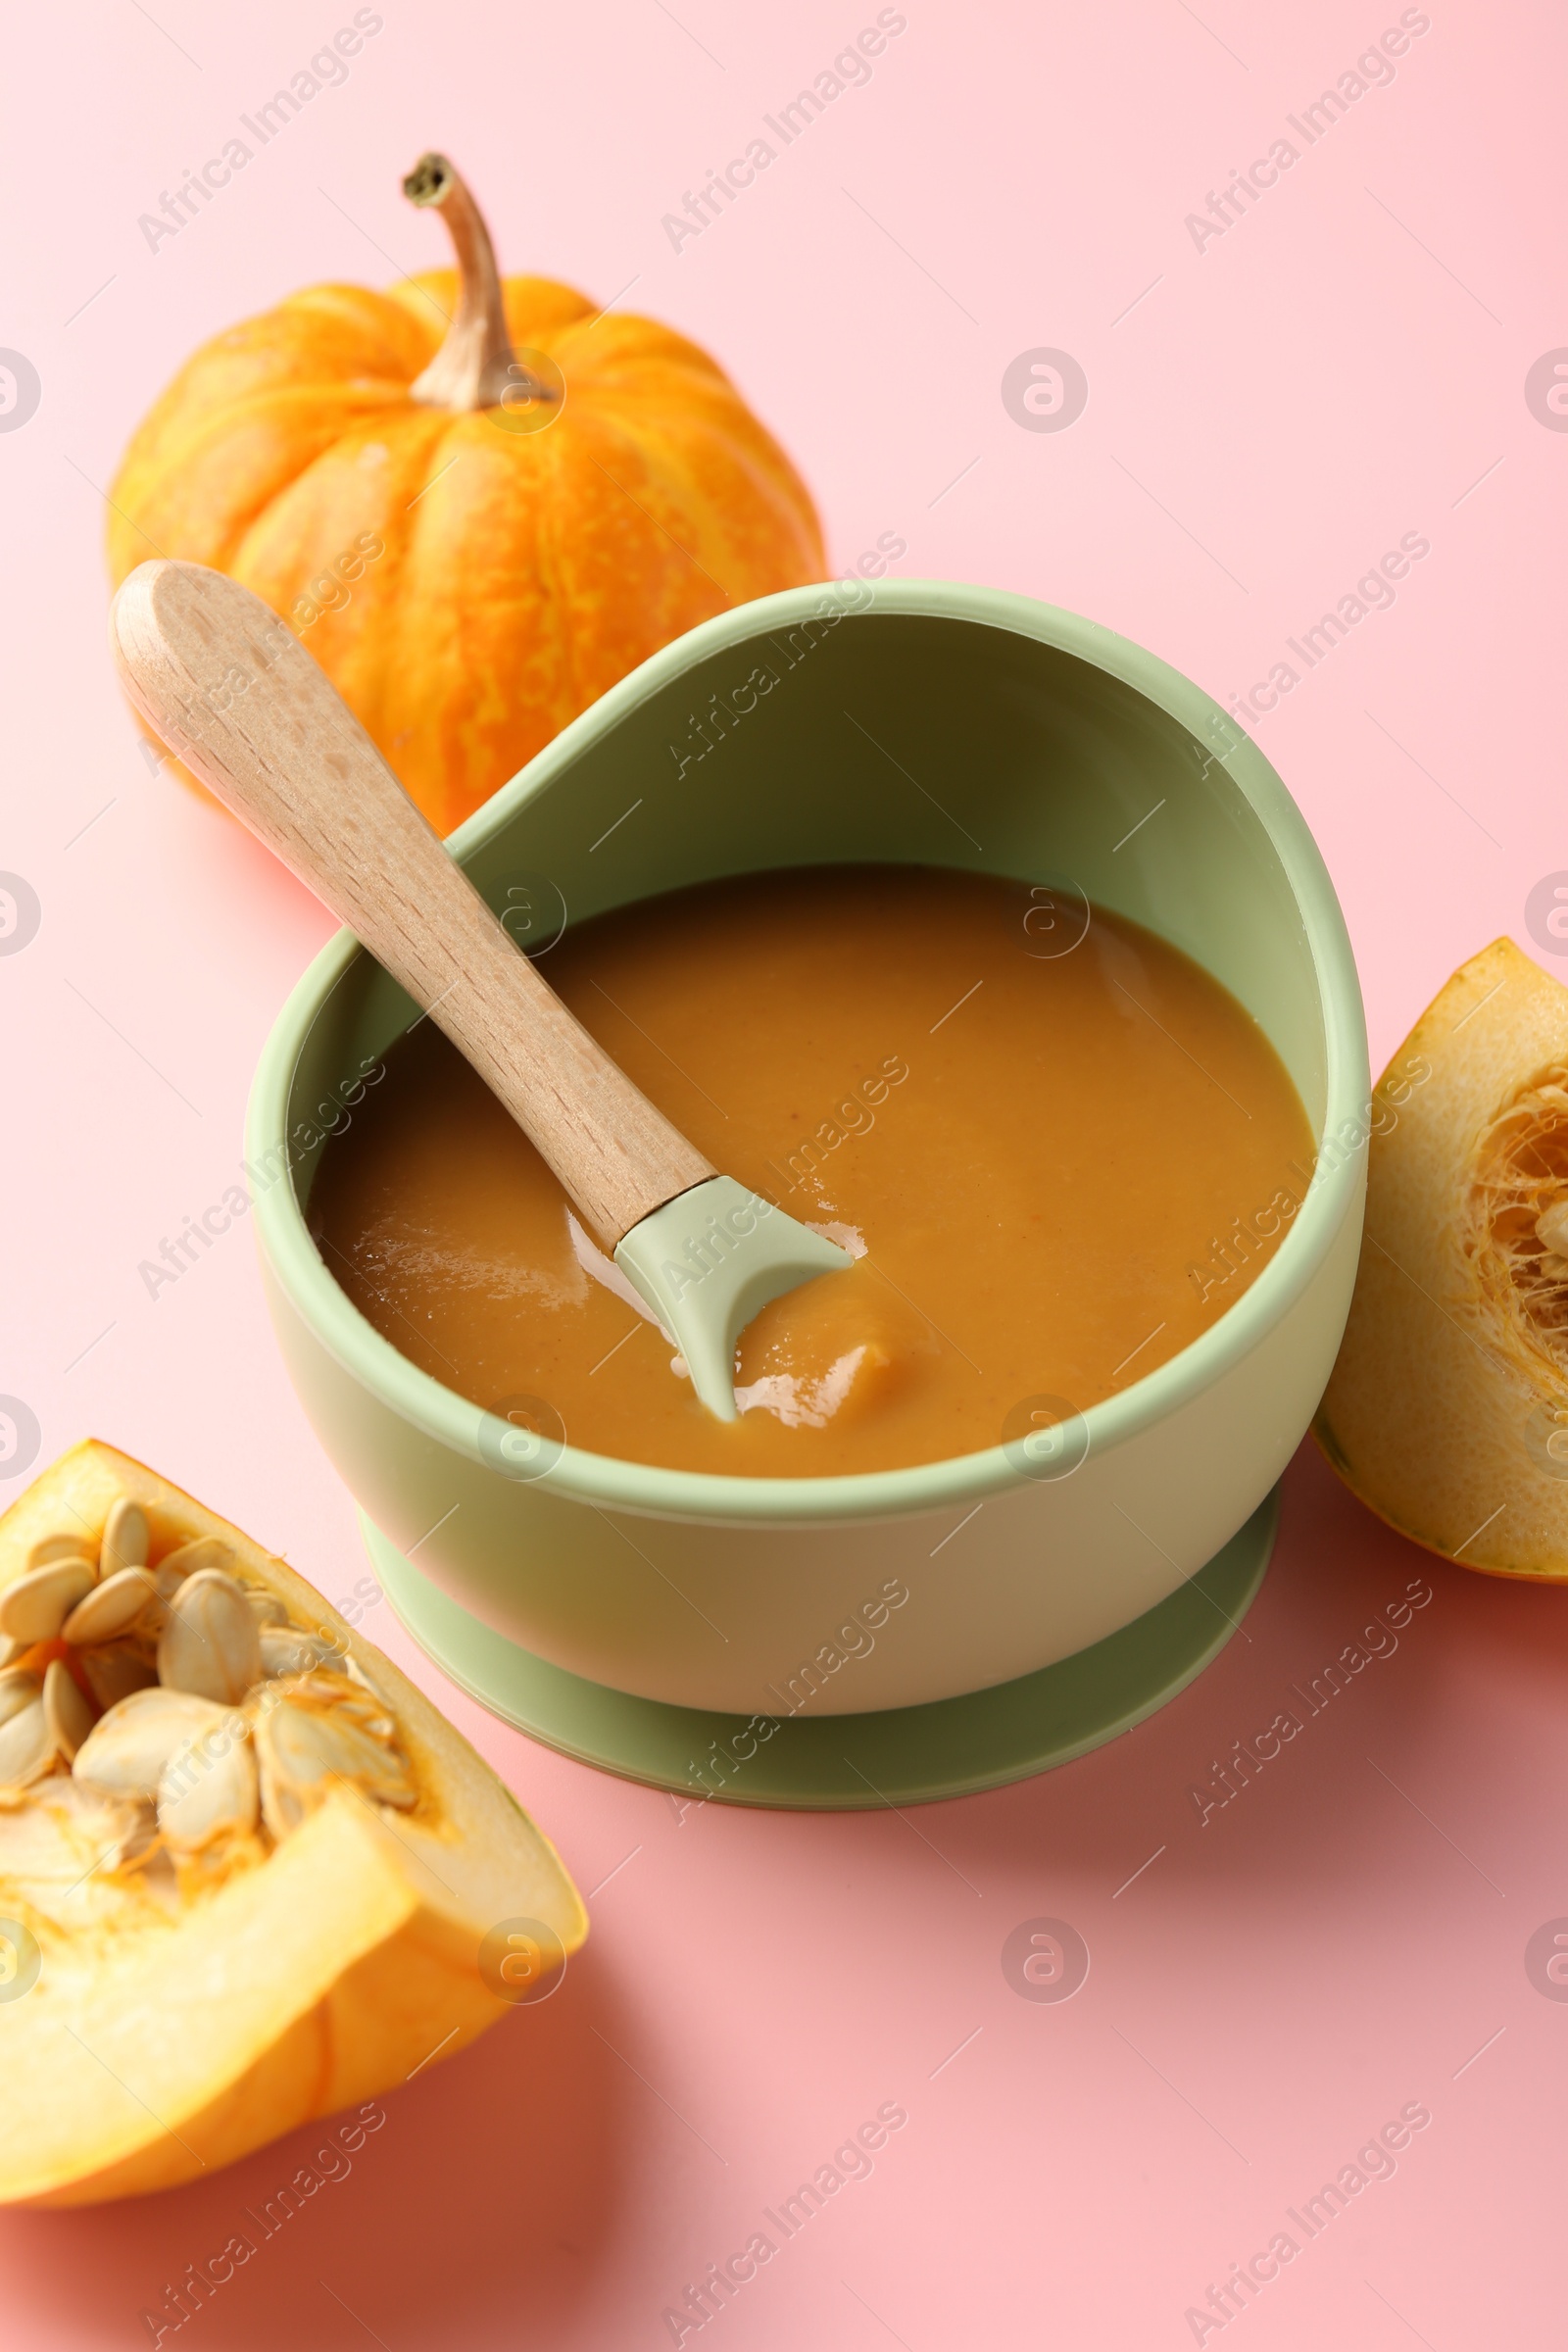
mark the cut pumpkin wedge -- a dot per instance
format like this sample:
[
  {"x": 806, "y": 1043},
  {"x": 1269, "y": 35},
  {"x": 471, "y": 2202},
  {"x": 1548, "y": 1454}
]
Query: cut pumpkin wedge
[
  {"x": 1447, "y": 1408},
  {"x": 290, "y": 1921}
]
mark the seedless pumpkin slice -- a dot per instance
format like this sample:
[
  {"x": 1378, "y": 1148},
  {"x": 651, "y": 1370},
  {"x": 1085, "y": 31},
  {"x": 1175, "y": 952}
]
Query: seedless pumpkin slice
[
  {"x": 207, "y": 1980},
  {"x": 1447, "y": 1410}
]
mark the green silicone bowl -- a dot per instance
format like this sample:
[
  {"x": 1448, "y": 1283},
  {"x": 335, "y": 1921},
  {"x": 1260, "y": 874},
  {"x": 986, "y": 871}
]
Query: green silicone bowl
[{"x": 632, "y": 1614}]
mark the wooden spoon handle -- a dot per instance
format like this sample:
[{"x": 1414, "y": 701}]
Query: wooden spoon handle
[{"x": 233, "y": 692}]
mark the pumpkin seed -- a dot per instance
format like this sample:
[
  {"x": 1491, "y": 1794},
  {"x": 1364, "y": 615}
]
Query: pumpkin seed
[
  {"x": 212, "y": 1644},
  {"x": 304, "y": 1750},
  {"x": 167, "y": 1582},
  {"x": 285, "y": 1649},
  {"x": 55, "y": 1547},
  {"x": 1552, "y": 1226},
  {"x": 331, "y": 1690},
  {"x": 19, "y": 1687},
  {"x": 70, "y": 1714},
  {"x": 126, "y": 1749},
  {"x": 110, "y": 1608},
  {"x": 203, "y": 1795},
  {"x": 202, "y": 1551},
  {"x": 35, "y": 1604},
  {"x": 27, "y": 1745},
  {"x": 126, "y": 1538},
  {"x": 114, "y": 1669},
  {"x": 177, "y": 1741}
]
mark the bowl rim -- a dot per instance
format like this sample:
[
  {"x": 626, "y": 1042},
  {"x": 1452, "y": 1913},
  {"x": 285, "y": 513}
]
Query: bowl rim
[{"x": 576, "y": 1474}]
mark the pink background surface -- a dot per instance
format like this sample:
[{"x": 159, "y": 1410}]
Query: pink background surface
[{"x": 1266, "y": 418}]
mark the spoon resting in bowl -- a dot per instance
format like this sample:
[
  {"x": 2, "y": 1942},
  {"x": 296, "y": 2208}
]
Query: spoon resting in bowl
[{"x": 232, "y": 691}]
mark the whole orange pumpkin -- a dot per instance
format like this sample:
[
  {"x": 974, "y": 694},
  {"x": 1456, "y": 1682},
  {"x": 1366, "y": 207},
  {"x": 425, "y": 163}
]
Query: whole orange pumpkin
[{"x": 478, "y": 503}]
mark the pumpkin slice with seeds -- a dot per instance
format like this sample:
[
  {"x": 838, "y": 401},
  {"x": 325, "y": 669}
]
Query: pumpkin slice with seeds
[
  {"x": 246, "y": 1868},
  {"x": 1448, "y": 1409}
]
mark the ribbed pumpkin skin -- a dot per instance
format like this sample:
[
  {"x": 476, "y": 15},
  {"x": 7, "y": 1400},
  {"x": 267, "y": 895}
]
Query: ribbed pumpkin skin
[{"x": 521, "y": 573}]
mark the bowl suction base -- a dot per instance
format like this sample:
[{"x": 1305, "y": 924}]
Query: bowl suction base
[{"x": 837, "y": 1763}]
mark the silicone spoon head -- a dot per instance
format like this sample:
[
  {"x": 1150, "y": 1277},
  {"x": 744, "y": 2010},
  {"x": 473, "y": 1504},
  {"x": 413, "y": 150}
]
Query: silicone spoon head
[{"x": 710, "y": 1259}]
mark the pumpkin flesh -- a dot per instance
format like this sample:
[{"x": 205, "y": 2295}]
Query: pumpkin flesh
[
  {"x": 166, "y": 2037},
  {"x": 1447, "y": 1408}
]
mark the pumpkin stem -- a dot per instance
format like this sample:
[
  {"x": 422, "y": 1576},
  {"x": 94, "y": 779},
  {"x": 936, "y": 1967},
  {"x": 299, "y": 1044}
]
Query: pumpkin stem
[{"x": 475, "y": 367}]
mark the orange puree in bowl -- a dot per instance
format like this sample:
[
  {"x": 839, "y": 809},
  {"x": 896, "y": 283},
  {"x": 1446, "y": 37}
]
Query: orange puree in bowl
[{"x": 1058, "y": 1162}]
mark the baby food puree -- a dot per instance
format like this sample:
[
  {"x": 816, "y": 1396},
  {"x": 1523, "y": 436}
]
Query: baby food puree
[{"x": 1058, "y": 1149}]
